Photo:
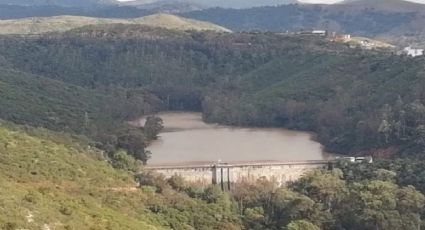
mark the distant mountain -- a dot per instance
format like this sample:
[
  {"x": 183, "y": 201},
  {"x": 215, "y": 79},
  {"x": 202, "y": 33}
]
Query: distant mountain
[
  {"x": 168, "y": 6},
  {"x": 65, "y": 3},
  {"x": 149, "y": 3},
  {"x": 387, "y": 5},
  {"x": 398, "y": 22},
  {"x": 238, "y": 4},
  {"x": 64, "y": 23},
  {"x": 16, "y": 11}
]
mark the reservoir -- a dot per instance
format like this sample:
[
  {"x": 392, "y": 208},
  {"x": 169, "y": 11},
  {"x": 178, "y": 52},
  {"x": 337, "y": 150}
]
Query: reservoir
[{"x": 186, "y": 139}]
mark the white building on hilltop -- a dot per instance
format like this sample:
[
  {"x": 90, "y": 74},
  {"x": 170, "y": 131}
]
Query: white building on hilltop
[
  {"x": 413, "y": 52},
  {"x": 320, "y": 32}
]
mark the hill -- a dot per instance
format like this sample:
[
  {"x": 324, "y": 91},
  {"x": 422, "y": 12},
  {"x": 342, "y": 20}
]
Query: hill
[
  {"x": 43, "y": 102},
  {"x": 239, "y": 4},
  {"x": 88, "y": 79},
  {"x": 387, "y": 5},
  {"x": 54, "y": 181},
  {"x": 165, "y": 6},
  {"x": 17, "y": 11},
  {"x": 247, "y": 79},
  {"x": 169, "y": 21},
  {"x": 401, "y": 23},
  {"x": 62, "y": 3},
  {"x": 357, "y": 41},
  {"x": 64, "y": 23}
]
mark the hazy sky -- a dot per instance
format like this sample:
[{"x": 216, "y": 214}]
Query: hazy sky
[
  {"x": 322, "y": 1},
  {"x": 333, "y": 1}
]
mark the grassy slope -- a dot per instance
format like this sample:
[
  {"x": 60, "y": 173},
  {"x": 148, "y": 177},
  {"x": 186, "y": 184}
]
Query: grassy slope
[
  {"x": 64, "y": 23},
  {"x": 174, "y": 22},
  {"x": 377, "y": 43},
  {"x": 55, "y": 180},
  {"x": 61, "y": 184}
]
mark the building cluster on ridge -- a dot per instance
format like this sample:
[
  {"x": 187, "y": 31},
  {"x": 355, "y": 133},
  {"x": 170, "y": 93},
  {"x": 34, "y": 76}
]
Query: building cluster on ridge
[{"x": 363, "y": 43}]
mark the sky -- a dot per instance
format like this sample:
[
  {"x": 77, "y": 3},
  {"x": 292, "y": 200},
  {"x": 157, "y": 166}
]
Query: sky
[
  {"x": 320, "y": 1},
  {"x": 333, "y": 1}
]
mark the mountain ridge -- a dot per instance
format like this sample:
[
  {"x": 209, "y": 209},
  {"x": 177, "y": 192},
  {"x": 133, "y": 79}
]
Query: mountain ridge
[
  {"x": 387, "y": 5},
  {"x": 402, "y": 26},
  {"x": 39, "y": 25},
  {"x": 237, "y": 4},
  {"x": 65, "y": 3}
]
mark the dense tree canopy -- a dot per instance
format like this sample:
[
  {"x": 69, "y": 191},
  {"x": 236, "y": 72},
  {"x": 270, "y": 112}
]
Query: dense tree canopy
[
  {"x": 354, "y": 100},
  {"x": 91, "y": 82}
]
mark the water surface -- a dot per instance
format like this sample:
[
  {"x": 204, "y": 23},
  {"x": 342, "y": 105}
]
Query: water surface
[{"x": 187, "y": 139}]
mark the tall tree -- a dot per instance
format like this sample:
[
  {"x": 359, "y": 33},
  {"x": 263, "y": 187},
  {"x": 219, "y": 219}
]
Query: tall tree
[{"x": 152, "y": 127}]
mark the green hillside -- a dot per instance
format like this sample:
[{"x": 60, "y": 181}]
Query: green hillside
[
  {"x": 336, "y": 95},
  {"x": 386, "y": 5},
  {"x": 40, "y": 101},
  {"x": 51, "y": 180},
  {"x": 55, "y": 181},
  {"x": 82, "y": 87},
  {"x": 355, "y": 100},
  {"x": 395, "y": 21},
  {"x": 101, "y": 115}
]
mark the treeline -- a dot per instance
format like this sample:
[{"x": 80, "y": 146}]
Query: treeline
[
  {"x": 134, "y": 57},
  {"x": 352, "y": 196},
  {"x": 366, "y": 21},
  {"x": 101, "y": 115},
  {"x": 92, "y": 81},
  {"x": 60, "y": 180},
  {"x": 51, "y": 179},
  {"x": 354, "y": 100}
]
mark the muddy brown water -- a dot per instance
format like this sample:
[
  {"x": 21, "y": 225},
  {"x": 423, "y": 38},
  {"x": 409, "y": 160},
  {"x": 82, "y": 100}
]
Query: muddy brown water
[{"x": 186, "y": 139}]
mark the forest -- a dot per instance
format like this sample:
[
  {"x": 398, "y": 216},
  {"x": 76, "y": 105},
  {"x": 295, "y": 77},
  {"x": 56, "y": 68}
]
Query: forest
[
  {"x": 51, "y": 179},
  {"x": 356, "y": 101},
  {"x": 390, "y": 21},
  {"x": 366, "y": 21},
  {"x": 68, "y": 152}
]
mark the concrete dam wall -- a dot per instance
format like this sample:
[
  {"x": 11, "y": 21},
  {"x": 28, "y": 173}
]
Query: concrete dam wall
[{"x": 225, "y": 174}]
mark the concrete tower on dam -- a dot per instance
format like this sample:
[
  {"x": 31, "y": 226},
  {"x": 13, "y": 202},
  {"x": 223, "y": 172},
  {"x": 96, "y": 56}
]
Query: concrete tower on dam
[{"x": 227, "y": 174}]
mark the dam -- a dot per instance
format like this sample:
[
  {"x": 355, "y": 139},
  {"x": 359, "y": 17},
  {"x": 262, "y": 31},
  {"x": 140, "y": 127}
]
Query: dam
[
  {"x": 207, "y": 154},
  {"x": 225, "y": 174}
]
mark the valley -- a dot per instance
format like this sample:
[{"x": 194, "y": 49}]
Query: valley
[
  {"x": 100, "y": 101},
  {"x": 242, "y": 79}
]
